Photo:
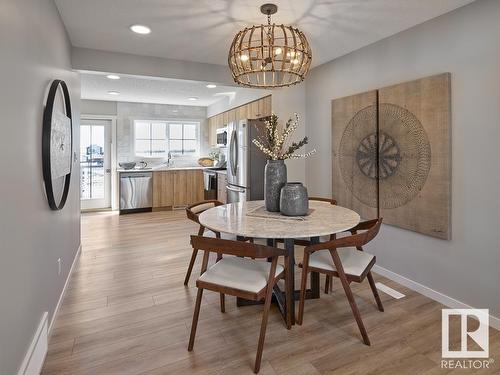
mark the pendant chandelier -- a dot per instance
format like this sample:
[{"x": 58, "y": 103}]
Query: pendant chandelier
[{"x": 269, "y": 56}]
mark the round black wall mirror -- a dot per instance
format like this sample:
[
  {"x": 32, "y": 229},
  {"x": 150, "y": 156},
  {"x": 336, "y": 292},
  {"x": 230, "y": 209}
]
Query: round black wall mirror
[{"x": 57, "y": 145}]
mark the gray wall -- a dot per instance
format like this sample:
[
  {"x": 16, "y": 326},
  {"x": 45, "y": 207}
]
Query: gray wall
[
  {"x": 465, "y": 43},
  {"x": 34, "y": 49}
]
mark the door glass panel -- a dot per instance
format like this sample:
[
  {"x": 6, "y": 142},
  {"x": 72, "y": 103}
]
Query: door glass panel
[{"x": 92, "y": 161}]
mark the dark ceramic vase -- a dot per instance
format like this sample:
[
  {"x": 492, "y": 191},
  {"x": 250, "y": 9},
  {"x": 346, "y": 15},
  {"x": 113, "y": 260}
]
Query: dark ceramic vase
[
  {"x": 294, "y": 200},
  {"x": 274, "y": 180}
]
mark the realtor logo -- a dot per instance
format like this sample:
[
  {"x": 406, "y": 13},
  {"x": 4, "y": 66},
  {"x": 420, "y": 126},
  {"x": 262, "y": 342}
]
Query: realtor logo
[{"x": 480, "y": 336}]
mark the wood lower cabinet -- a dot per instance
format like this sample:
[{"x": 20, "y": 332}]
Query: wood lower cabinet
[
  {"x": 163, "y": 189},
  {"x": 188, "y": 187},
  {"x": 177, "y": 188},
  {"x": 221, "y": 187}
]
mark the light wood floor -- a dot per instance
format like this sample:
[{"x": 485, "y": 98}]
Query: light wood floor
[{"x": 126, "y": 311}]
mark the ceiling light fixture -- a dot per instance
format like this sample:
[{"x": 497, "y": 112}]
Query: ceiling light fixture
[
  {"x": 269, "y": 56},
  {"x": 211, "y": 86},
  {"x": 112, "y": 76},
  {"x": 140, "y": 29},
  {"x": 113, "y": 92},
  {"x": 192, "y": 98}
]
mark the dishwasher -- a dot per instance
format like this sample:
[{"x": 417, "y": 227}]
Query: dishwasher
[{"x": 136, "y": 192}]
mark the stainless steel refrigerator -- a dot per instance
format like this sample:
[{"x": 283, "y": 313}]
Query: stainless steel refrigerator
[{"x": 245, "y": 162}]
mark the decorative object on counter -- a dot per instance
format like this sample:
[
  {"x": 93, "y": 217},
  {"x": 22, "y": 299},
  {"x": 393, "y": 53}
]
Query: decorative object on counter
[
  {"x": 57, "y": 144},
  {"x": 269, "y": 56},
  {"x": 127, "y": 165},
  {"x": 274, "y": 143},
  {"x": 261, "y": 211},
  {"x": 206, "y": 162},
  {"x": 294, "y": 200}
]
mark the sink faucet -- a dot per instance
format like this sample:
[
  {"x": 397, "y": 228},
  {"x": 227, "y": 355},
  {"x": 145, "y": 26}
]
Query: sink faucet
[{"x": 169, "y": 158}]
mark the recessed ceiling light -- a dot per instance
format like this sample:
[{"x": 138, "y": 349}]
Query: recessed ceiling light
[
  {"x": 193, "y": 98},
  {"x": 140, "y": 29},
  {"x": 113, "y": 93},
  {"x": 112, "y": 76},
  {"x": 211, "y": 86},
  {"x": 175, "y": 110}
]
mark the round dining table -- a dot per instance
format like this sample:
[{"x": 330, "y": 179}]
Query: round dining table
[{"x": 251, "y": 220}]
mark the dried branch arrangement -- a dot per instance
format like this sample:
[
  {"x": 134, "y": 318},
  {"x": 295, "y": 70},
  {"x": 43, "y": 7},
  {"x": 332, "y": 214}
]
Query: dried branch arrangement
[{"x": 274, "y": 142}]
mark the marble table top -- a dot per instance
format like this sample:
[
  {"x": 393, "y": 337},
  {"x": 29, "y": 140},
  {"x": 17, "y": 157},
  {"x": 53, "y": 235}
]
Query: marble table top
[{"x": 324, "y": 219}]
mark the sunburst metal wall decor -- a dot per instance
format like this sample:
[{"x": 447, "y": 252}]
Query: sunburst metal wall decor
[{"x": 269, "y": 56}]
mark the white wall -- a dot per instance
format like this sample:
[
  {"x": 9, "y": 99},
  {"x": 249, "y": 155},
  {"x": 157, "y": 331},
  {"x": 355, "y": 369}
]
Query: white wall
[
  {"x": 34, "y": 51},
  {"x": 465, "y": 43}
]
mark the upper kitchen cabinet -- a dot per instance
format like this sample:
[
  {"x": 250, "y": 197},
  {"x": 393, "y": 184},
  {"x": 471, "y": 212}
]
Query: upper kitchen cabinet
[
  {"x": 259, "y": 108},
  {"x": 241, "y": 112},
  {"x": 253, "y": 110}
]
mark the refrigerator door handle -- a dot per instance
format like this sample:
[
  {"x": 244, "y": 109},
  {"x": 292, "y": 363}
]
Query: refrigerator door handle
[
  {"x": 233, "y": 152},
  {"x": 235, "y": 189}
]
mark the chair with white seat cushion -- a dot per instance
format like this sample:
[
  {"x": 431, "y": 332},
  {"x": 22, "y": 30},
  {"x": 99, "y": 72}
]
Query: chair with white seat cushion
[
  {"x": 237, "y": 275},
  {"x": 343, "y": 258},
  {"x": 192, "y": 212}
]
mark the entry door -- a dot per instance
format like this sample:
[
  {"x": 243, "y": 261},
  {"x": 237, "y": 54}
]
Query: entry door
[{"x": 95, "y": 164}]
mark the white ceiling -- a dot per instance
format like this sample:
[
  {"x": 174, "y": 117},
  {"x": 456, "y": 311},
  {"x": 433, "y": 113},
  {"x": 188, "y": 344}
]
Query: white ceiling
[
  {"x": 152, "y": 90},
  {"x": 202, "y": 30}
]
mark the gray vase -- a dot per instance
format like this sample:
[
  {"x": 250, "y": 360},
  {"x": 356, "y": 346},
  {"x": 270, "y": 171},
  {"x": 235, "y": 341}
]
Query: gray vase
[
  {"x": 274, "y": 180},
  {"x": 294, "y": 200}
]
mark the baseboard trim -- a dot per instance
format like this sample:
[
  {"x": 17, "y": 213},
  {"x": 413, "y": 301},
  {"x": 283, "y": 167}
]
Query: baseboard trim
[
  {"x": 432, "y": 294},
  {"x": 56, "y": 310},
  {"x": 35, "y": 356}
]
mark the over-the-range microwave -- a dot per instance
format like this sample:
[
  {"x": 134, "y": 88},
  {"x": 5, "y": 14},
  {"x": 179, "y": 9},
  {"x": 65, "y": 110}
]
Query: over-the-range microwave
[{"x": 222, "y": 137}]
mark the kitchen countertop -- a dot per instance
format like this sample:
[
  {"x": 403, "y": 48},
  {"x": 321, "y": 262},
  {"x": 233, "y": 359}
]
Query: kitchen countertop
[{"x": 159, "y": 169}]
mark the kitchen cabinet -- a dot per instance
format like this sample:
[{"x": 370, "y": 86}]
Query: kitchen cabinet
[
  {"x": 188, "y": 187},
  {"x": 259, "y": 108},
  {"x": 253, "y": 110},
  {"x": 221, "y": 187},
  {"x": 212, "y": 132},
  {"x": 163, "y": 189},
  {"x": 265, "y": 108},
  {"x": 177, "y": 188},
  {"x": 241, "y": 112}
]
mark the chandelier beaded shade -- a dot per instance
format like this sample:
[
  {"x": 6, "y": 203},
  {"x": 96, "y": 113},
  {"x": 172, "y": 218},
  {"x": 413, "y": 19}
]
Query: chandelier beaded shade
[{"x": 269, "y": 56}]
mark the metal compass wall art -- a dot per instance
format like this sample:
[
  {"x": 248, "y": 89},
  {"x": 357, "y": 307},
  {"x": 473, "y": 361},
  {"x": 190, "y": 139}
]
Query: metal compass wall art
[
  {"x": 57, "y": 144},
  {"x": 391, "y": 154}
]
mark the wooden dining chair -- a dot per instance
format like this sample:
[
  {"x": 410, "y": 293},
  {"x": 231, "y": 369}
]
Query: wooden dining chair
[
  {"x": 302, "y": 242},
  {"x": 343, "y": 258},
  {"x": 193, "y": 211},
  {"x": 237, "y": 275}
]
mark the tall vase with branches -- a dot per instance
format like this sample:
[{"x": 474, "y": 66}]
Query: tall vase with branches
[{"x": 274, "y": 141}]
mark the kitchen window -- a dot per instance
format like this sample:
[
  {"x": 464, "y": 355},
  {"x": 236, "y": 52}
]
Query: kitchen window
[{"x": 157, "y": 138}]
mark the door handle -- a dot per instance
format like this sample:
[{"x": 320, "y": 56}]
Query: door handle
[
  {"x": 108, "y": 170},
  {"x": 235, "y": 190}
]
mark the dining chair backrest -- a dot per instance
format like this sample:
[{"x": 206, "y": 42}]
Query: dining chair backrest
[
  {"x": 194, "y": 210},
  {"x": 237, "y": 248},
  {"x": 320, "y": 199},
  {"x": 358, "y": 240}
]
